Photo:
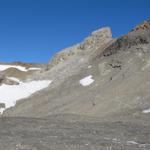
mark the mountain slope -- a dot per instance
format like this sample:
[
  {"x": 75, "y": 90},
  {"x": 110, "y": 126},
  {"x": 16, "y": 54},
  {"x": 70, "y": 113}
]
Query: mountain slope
[{"x": 119, "y": 69}]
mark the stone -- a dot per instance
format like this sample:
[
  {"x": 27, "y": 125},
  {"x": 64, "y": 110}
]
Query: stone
[
  {"x": 97, "y": 39},
  {"x": 2, "y": 105}
]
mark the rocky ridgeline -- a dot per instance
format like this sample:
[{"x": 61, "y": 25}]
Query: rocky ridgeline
[
  {"x": 138, "y": 36},
  {"x": 96, "y": 40},
  {"x": 143, "y": 26}
]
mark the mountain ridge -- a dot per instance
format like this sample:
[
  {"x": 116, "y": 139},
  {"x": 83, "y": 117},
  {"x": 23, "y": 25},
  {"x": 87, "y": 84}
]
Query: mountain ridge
[{"x": 75, "y": 68}]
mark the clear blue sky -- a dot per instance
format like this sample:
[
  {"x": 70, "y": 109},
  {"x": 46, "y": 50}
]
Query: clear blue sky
[{"x": 34, "y": 30}]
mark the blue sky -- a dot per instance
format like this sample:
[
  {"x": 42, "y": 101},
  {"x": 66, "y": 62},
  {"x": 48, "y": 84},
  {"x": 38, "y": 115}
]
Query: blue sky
[{"x": 34, "y": 30}]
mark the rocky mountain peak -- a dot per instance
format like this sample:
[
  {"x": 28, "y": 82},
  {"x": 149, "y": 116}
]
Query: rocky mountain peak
[
  {"x": 97, "y": 39},
  {"x": 94, "y": 41},
  {"x": 103, "y": 32}
]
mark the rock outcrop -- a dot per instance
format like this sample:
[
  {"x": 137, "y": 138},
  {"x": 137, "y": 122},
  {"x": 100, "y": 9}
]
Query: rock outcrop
[
  {"x": 96, "y": 40},
  {"x": 138, "y": 36}
]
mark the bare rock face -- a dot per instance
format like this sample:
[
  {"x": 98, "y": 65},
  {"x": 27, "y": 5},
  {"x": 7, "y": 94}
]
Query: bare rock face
[
  {"x": 140, "y": 35},
  {"x": 97, "y": 39},
  {"x": 62, "y": 56}
]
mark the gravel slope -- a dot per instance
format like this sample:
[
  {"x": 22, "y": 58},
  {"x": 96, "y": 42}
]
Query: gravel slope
[{"x": 56, "y": 134}]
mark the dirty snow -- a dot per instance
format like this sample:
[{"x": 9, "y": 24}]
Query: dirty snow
[
  {"x": 2, "y": 110},
  {"x": 131, "y": 142},
  {"x": 21, "y": 68},
  {"x": 14, "y": 79},
  {"x": 34, "y": 69},
  {"x": 89, "y": 66},
  {"x": 86, "y": 81},
  {"x": 146, "y": 111},
  {"x": 12, "y": 93}
]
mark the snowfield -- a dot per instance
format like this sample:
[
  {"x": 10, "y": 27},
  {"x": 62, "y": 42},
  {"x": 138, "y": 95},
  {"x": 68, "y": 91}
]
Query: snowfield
[
  {"x": 21, "y": 68},
  {"x": 11, "y": 93},
  {"x": 86, "y": 81}
]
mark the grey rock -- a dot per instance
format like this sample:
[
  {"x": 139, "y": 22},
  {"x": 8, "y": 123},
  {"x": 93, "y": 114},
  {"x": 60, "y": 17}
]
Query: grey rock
[
  {"x": 2, "y": 77},
  {"x": 97, "y": 39},
  {"x": 2, "y": 105}
]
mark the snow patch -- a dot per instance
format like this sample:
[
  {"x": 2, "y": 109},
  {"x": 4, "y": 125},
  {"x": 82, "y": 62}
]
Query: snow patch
[
  {"x": 34, "y": 69},
  {"x": 89, "y": 66},
  {"x": 21, "y": 68},
  {"x": 131, "y": 142},
  {"x": 146, "y": 111},
  {"x": 86, "y": 81},
  {"x": 12, "y": 93},
  {"x": 14, "y": 79},
  {"x": 2, "y": 110}
]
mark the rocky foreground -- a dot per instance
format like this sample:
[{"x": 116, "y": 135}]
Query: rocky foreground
[{"x": 56, "y": 133}]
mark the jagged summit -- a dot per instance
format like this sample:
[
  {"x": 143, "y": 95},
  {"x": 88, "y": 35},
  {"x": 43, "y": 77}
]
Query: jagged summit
[{"x": 97, "y": 39}]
